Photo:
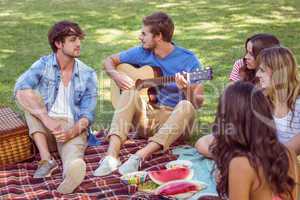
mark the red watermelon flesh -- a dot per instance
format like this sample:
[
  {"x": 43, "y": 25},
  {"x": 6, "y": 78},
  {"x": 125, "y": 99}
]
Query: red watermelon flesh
[
  {"x": 166, "y": 175},
  {"x": 181, "y": 189},
  {"x": 178, "y": 188}
]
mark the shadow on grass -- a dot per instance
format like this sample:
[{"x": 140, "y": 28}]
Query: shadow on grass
[{"x": 215, "y": 30}]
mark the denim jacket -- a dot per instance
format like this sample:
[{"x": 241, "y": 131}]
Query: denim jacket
[{"x": 45, "y": 76}]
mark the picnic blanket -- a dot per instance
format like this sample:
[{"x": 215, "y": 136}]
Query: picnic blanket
[
  {"x": 17, "y": 182},
  {"x": 203, "y": 169}
]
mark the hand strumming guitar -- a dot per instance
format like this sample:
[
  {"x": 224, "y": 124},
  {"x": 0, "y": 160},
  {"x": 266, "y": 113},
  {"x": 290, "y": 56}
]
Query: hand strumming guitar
[{"x": 123, "y": 81}]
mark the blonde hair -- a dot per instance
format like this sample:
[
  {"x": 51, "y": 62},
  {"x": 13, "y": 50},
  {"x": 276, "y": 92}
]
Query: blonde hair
[{"x": 285, "y": 82}]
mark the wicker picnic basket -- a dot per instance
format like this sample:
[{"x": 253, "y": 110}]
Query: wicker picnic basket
[{"x": 15, "y": 144}]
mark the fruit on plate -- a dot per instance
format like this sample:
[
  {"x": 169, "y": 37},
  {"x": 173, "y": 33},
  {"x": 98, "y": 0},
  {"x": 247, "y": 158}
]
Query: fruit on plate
[
  {"x": 134, "y": 178},
  {"x": 179, "y": 163},
  {"x": 180, "y": 188},
  {"x": 165, "y": 175}
]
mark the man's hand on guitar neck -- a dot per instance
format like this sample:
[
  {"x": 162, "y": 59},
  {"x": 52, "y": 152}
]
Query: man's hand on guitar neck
[
  {"x": 192, "y": 92},
  {"x": 181, "y": 82}
]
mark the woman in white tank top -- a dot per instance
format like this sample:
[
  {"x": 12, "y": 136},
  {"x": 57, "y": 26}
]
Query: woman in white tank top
[{"x": 278, "y": 76}]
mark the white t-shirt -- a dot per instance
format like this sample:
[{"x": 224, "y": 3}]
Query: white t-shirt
[
  {"x": 61, "y": 107},
  {"x": 287, "y": 129}
]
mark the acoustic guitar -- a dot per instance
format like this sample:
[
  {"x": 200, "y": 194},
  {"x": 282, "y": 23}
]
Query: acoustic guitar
[{"x": 146, "y": 78}]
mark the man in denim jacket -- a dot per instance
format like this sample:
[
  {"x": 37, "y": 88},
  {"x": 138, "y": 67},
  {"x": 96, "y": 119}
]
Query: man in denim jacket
[{"x": 58, "y": 94}]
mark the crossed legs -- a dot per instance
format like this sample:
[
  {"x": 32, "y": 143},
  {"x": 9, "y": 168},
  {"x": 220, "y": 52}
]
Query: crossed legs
[
  {"x": 168, "y": 126},
  {"x": 40, "y": 128}
]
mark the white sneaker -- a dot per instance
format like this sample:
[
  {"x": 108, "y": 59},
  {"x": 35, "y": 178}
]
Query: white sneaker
[
  {"x": 73, "y": 177},
  {"x": 107, "y": 165},
  {"x": 133, "y": 164}
]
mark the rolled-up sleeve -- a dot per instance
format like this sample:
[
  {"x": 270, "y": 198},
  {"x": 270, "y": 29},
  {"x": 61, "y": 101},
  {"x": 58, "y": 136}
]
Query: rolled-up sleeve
[
  {"x": 30, "y": 78},
  {"x": 133, "y": 55},
  {"x": 89, "y": 99}
]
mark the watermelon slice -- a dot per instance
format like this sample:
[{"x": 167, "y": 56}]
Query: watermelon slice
[
  {"x": 166, "y": 175},
  {"x": 180, "y": 188}
]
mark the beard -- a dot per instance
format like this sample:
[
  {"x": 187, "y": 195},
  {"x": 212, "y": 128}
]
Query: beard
[
  {"x": 150, "y": 47},
  {"x": 71, "y": 54}
]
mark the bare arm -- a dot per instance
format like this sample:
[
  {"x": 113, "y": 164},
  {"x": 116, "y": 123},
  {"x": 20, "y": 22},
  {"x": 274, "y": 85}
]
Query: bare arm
[
  {"x": 294, "y": 144},
  {"x": 203, "y": 143},
  {"x": 80, "y": 126},
  {"x": 110, "y": 64},
  {"x": 66, "y": 135},
  {"x": 32, "y": 103},
  {"x": 241, "y": 178},
  {"x": 192, "y": 92},
  {"x": 294, "y": 171}
]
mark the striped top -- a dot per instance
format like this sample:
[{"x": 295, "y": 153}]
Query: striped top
[
  {"x": 285, "y": 129},
  {"x": 235, "y": 73}
]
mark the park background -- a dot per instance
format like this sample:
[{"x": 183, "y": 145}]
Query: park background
[{"x": 214, "y": 29}]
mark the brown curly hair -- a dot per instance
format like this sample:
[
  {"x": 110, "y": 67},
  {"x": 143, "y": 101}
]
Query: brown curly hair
[
  {"x": 160, "y": 22},
  {"x": 244, "y": 126},
  {"x": 62, "y": 29}
]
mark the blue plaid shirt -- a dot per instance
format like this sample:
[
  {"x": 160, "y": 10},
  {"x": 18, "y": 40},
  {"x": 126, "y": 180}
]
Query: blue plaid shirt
[{"x": 44, "y": 76}]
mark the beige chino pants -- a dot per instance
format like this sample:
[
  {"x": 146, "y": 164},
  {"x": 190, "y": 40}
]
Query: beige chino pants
[
  {"x": 160, "y": 124},
  {"x": 68, "y": 151}
]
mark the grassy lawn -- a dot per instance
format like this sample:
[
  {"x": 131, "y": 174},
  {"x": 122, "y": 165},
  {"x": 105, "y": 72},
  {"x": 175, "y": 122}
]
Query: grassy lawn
[{"x": 214, "y": 29}]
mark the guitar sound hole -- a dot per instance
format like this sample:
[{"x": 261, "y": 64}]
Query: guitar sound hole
[{"x": 152, "y": 95}]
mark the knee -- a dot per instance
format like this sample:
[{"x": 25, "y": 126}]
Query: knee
[
  {"x": 130, "y": 96},
  {"x": 203, "y": 143},
  {"x": 185, "y": 103},
  {"x": 200, "y": 144},
  {"x": 186, "y": 107},
  {"x": 131, "y": 93}
]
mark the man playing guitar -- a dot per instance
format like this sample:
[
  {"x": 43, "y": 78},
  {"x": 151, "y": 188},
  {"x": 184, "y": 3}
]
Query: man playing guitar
[{"x": 172, "y": 117}]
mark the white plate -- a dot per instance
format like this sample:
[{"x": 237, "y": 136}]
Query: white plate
[
  {"x": 179, "y": 163},
  {"x": 208, "y": 194}
]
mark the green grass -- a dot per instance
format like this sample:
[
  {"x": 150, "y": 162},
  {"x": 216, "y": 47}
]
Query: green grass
[{"x": 214, "y": 29}]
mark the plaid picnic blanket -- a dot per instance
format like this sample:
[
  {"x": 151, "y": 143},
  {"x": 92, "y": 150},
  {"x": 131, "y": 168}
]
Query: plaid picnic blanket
[{"x": 17, "y": 182}]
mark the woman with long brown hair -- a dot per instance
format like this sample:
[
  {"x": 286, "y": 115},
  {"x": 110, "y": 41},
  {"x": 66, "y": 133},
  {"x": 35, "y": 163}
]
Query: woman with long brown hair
[
  {"x": 278, "y": 76},
  {"x": 244, "y": 69},
  {"x": 251, "y": 163}
]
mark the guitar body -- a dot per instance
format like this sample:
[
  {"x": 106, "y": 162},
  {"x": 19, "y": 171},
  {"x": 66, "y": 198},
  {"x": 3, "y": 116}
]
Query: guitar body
[
  {"x": 145, "y": 72},
  {"x": 147, "y": 79}
]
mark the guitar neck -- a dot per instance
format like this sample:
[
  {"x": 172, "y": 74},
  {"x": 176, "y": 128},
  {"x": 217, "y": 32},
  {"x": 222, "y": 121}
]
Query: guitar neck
[
  {"x": 161, "y": 80},
  {"x": 195, "y": 76},
  {"x": 152, "y": 82}
]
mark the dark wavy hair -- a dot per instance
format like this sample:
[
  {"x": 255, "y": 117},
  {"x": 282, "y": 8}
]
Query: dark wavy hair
[
  {"x": 244, "y": 126},
  {"x": 259, "y": 41},
  {"x": 160, "y": 22},
  {"x": 62, "y": 29}
]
